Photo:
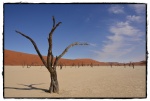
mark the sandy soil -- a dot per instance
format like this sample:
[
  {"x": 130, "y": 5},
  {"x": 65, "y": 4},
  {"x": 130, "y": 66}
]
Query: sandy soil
[{"x": 102, "y": 81}]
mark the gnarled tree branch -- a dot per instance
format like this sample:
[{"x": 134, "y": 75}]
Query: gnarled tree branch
[
  {"x": 35, "y": 46},
  {"x": 53, "y": 21},
  {"x": 50, "y": 54},
  {"x": 71, "y": 45},
  {"x": 66, "y": 50}
]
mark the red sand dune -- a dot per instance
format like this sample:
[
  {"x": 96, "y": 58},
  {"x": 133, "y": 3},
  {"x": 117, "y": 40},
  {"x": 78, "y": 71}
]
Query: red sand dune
[{"x": 19, "y": 58}]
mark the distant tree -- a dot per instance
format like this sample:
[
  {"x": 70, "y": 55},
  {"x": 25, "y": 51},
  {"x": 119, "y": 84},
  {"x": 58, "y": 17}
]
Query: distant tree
[
  {"x": 73, "y": 64},
  {"x": 61, "y": 66},
  {"x": 91, "y": 65},
  {"x": 82, "y": 64},
  {"x": 28, "y": 66},
  {"x": 124, "y": 65},
  {"x": 133, "y": 65},
  {"x": 111, "y": 64},
  {"x": 51, "y": 63}
]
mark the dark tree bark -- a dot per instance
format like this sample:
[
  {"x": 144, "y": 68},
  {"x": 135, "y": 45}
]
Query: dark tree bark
[
  {"x": 51, "y": 63},
  {"x": 54, "y": 86}
]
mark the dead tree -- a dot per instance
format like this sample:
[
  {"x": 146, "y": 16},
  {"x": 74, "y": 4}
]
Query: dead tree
[
  {"x": 133, "y": 65},
  {"x": 124, "y": 65},
  {"x": 91, "y": 65},
  {"x": 28, "y": 66},
  {"x": 82, "y": 64},
  {"x": 51, "y": 63},
  {"x": 61, "y": 66},
  {"x": 111, "y": 64},
  {"x": 73, "y": 64}
]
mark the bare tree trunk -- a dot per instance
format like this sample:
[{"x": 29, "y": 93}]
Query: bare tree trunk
[{"x": 54, "y": 86}]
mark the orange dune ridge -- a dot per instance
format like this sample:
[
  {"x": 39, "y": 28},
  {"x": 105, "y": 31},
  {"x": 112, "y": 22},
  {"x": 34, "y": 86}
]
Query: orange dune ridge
[{"x": 19, "y": 58}]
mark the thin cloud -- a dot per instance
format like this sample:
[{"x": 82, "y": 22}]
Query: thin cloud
[
  {"x": 123, "y": 28},
  {"x": 93, "y": 44},
  {"x": 123, "y": 40},
  {"x": 134, "y": 18},
  {"x": 139, "y": 8},
  {"x": 116, "y": 9}
]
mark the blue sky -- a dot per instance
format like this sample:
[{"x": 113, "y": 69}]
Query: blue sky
[{"x": 115, "y": 32}]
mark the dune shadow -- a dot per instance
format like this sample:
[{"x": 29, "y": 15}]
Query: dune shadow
[{"x": 29, "y": 87}]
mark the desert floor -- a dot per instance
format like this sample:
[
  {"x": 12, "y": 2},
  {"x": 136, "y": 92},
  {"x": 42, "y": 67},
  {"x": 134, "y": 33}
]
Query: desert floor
[{"x": 99, "y": 81}]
